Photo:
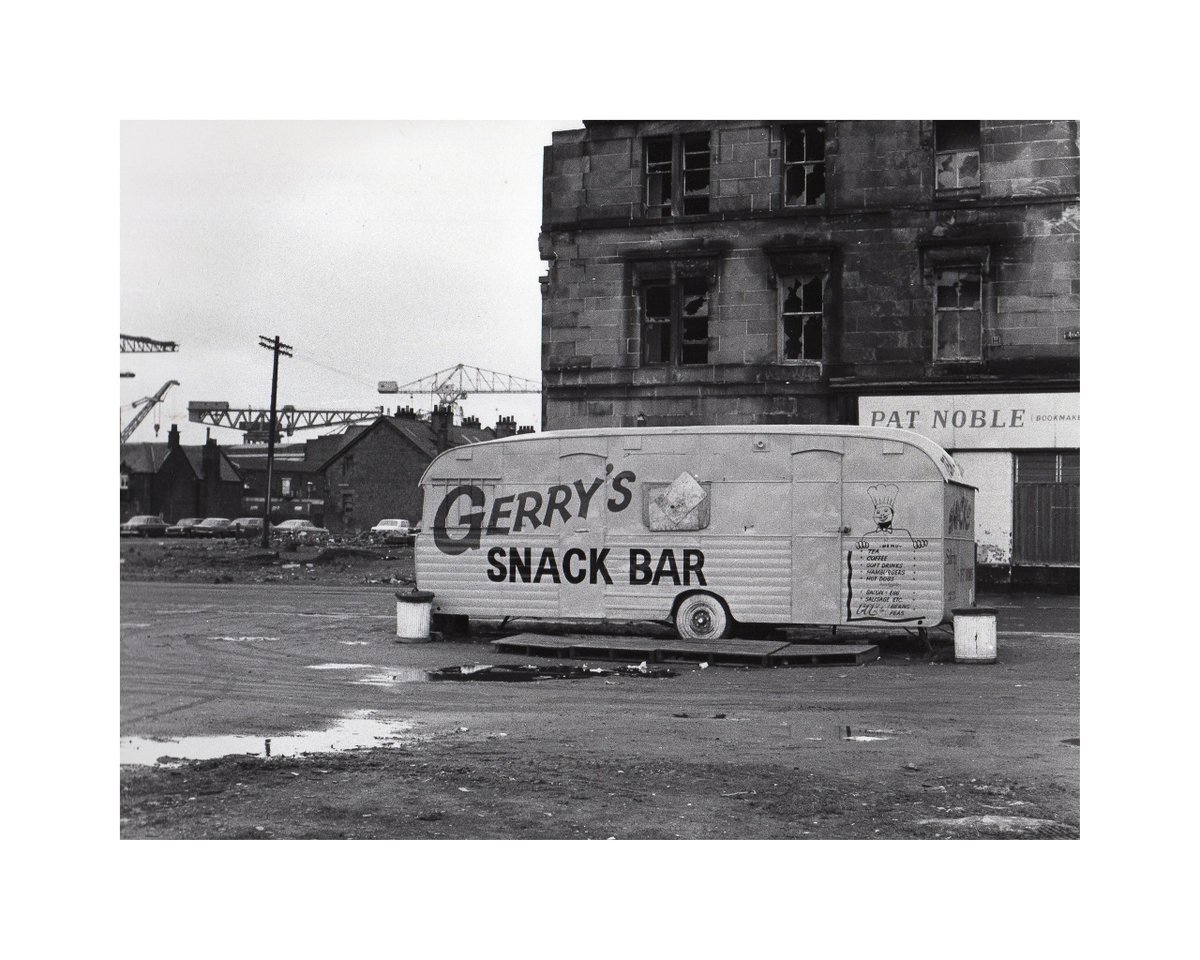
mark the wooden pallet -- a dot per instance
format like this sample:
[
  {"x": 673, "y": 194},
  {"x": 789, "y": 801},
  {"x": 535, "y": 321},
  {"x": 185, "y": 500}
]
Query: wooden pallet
[{"x": 766, "y": 653}]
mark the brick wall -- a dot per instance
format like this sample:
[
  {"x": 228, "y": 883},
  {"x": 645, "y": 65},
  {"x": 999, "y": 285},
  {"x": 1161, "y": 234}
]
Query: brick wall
[
  {"x": 382, "y": 476},
  {"x": 880, "y": 228}
]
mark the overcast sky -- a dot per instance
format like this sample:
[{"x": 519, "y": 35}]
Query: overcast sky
[{"x": 379, "y": 251}]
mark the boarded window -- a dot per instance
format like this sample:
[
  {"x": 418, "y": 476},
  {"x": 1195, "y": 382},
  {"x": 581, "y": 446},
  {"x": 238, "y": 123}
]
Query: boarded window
[
  {"x": 683, "y": 504},
  {"x": 958, "y": 313},
  {"x": 1048, "y": 467},
  {"x": 667, "y": 195},
  {"x": 675, "y": 322},
  {"x": 956, "y": 156},
  {"x": 1046, "y": 516},
  {"x": 804, "y": 165},
  {"x": 802, "y": 318}
]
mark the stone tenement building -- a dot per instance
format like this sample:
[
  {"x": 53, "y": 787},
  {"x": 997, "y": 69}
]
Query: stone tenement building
[{"x": 921, "y": 274}]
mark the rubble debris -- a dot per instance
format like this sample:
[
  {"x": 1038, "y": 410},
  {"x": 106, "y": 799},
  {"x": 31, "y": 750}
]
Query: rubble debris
[{"x": 532, "y": 672}]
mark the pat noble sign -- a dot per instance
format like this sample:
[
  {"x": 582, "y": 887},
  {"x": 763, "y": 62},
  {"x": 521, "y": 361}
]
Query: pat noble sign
[{"x": 980, "y": 421}]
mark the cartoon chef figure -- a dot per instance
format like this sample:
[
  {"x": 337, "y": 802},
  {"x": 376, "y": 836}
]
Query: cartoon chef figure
[{"x": 883, "y": 497}]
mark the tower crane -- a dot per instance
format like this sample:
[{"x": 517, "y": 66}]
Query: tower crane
[
  {"x": 149, "y": 404},
  {"x": 457, "y": 382}
]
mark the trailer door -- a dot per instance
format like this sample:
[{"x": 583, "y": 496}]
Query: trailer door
[
  {"x": 817, "y": 529},
  {"x": 581, "y": 542}
]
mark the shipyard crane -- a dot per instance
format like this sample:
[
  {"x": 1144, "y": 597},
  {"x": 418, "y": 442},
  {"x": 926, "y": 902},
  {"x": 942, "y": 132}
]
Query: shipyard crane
[
  {"x": 147, "y": 404},
  {"x": 255, "y": 421},
  {"x": 457, "y": 382},
  {"x": 146, "y": 345}
]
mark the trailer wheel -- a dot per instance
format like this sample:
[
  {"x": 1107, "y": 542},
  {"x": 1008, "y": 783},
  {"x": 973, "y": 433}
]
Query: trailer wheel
[{"x": 701, "y": 616}]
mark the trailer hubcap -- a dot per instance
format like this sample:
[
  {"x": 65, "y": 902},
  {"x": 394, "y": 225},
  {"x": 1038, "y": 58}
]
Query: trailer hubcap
[{"x": 702, "y": 621}]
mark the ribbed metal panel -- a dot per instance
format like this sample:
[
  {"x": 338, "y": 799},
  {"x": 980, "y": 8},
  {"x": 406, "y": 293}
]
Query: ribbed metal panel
[
  {"x": 751, "y": 573},
  {"x": 907, "y": 590},
  {"x": 461, "y": 585}
]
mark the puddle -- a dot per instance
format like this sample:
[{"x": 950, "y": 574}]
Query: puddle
[
  {"x": 867, "y": 737},
  {"x": 243, "y": 639},
  {"x": 354, "y": 731},
  {"x": 485, "y": 672},
  {"x": 394, "y": 675},
  {"x": 340, "y": 666},
  {"x": 1071, "y": 741}
]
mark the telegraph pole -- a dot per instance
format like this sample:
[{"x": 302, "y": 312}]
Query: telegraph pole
[{"x": 276, "y": 347}]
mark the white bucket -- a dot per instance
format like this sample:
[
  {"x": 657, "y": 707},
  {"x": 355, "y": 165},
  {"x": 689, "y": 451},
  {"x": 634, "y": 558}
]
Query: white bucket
[
  {"x": 413, "y": 611},
  {"x": 975, "y": 635}
]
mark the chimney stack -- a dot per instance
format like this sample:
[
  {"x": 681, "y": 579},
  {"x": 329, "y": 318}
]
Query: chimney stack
[
  {"x": 173, "y": 437},
  {"x": 440, "y": 420},
  {"x": 506, "y": 427}
]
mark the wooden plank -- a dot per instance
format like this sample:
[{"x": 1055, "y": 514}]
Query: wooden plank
[
  {"x": 654, "y": 650},
  {"x": 831, "y": 654}
]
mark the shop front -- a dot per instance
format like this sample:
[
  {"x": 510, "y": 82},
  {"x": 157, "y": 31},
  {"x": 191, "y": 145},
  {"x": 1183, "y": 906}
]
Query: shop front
[{"x": 1021, "y": 451}]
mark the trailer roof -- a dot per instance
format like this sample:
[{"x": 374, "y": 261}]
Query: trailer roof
[{"x": 950, "y": 470}]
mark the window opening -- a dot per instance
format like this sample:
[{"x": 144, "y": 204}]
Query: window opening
[
  {"x": 667, "y": 195},
  {"x": 659, "y": 168},
  {"x": 694, "y": 322},
  {"x": 956, "y": 156},
  {"x": 695, "y": 173},
  {"x": 675, "y": 322},
  {"x": 802, "y": 318},
  {"x": 958, "y": 313},
  {"x": 804, "y": 165}
]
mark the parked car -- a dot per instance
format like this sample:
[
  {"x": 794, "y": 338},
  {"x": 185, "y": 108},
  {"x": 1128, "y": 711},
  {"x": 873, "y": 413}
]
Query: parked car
[
  {"x": 214, "y": 527},
  {"x": 183, "y": 528},
  {"x": 247, "y": 526},
  {"x": 392, "y": 531},
  {"x": 299, "y": 530},
  {"x": 144, "y": 526}
]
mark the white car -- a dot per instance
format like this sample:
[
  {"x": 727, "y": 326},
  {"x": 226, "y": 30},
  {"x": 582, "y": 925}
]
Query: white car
[
  {"x": 392, "y": 531},
  {"x": 300, "y": 530}
]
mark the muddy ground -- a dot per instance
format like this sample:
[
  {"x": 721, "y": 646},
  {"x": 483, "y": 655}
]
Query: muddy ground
[
  {"x": 938, "y": 749},
  {"x": 241, "y": 561}
]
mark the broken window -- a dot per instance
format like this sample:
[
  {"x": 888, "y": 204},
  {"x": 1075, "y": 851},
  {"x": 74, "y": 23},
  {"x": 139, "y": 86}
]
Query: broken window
[
  {"x": 802, "y": 318},
  {"x": 347, "y": 505},
  {"x": 675, "y": 322},
  {"x": 666, "y": 194},
  {"x": 659, "y": 162},
  {"x": 956, "y": 156},
  {"x": 347, "y": 465},
  {"x": 958, "y": 313},
  {"x": 695, "y": 173},
  {"x": 804, "y": 165}
]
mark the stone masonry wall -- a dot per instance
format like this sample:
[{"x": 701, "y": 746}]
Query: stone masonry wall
[{"x": 879, "y": 220}]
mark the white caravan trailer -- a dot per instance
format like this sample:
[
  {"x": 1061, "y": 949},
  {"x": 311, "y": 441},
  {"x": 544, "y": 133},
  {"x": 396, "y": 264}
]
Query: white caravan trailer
[{"x": 708, "y": 527}]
